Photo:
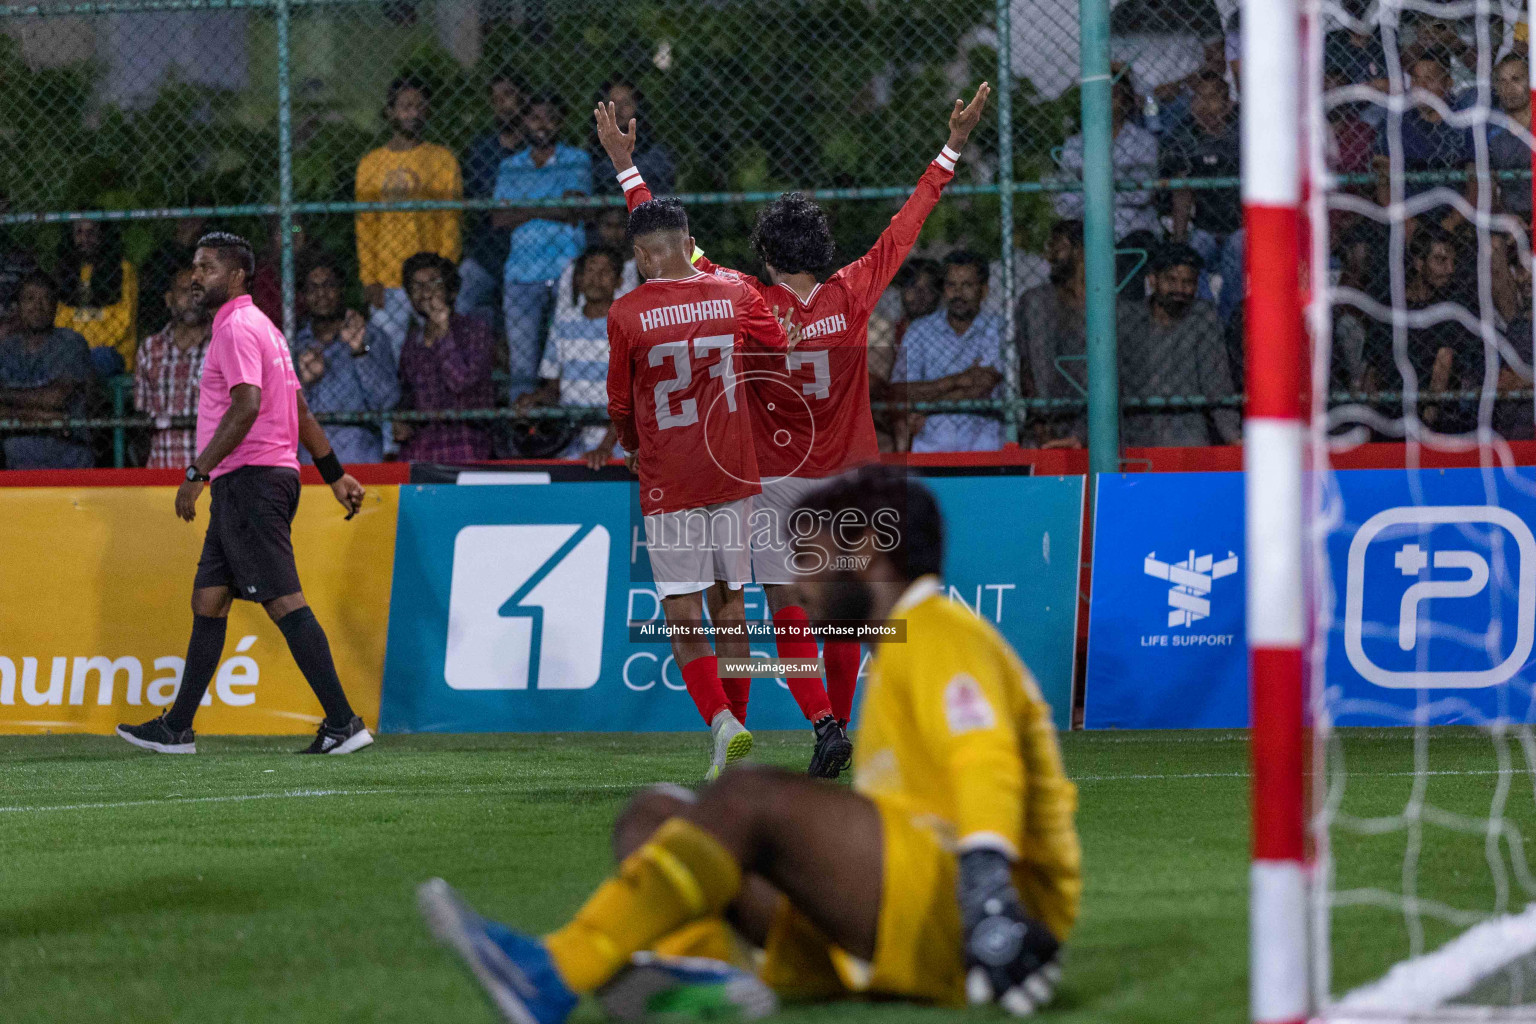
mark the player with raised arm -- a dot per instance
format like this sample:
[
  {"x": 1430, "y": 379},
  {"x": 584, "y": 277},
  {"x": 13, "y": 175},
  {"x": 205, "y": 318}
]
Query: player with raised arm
[
  {"x": 812, "y": 411},
  {"x": 676, "y": 347},
  {"x": 251, "y": 419},
  {"x": 949, "y": 873}
]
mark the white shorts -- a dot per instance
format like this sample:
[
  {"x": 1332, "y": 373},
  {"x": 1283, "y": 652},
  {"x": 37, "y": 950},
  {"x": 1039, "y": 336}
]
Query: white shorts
[
  {"x": 771, "y": 535},
  {"x": 693, "y": 548}
]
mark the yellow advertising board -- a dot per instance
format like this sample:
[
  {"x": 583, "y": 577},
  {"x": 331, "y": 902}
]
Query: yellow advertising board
[{"x": 95, "y": 611}]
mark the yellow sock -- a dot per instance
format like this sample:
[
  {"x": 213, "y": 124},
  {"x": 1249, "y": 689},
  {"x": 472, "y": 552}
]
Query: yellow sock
[
  {"x": 708, "y": 937},
  {"x": 681, "y": 875}
]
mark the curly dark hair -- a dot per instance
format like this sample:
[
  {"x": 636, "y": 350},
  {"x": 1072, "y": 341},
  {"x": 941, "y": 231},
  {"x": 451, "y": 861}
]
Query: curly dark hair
[
  {"x": 793, "y": 237},
  {"x": 432, "y": 261},
  {"x": 657, "y": 215}
]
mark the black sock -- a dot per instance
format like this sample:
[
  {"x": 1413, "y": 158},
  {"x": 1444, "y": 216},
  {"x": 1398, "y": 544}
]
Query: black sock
[
  {"x": 203, "y": 653},
  {"x": 312, "y": 651}
]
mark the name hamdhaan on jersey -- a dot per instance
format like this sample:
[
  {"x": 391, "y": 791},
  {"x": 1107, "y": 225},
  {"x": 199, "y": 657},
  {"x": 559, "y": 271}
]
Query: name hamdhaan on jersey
[{"x": 676, "y": 352}]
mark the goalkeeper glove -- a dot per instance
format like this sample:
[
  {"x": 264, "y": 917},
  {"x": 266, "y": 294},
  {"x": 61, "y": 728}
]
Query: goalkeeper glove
[{"x": 1010, "y": 958}]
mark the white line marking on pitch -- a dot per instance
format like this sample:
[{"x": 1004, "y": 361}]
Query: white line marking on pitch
[
  {"x": 293, "y": 794},
  {"x": 1245, "y": 775},
  {"x": 301, "y": 794},
  {"x": 305, "y": 794}
]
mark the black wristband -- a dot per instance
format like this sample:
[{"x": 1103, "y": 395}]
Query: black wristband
[{"x": 330, "y": 467}]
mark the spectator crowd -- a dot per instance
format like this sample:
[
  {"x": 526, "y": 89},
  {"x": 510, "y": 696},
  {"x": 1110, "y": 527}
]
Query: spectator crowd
[{"x": 442, "y": 310}]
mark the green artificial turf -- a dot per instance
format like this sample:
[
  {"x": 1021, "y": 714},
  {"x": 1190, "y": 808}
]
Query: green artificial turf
[{"x": 246, "y": 884}]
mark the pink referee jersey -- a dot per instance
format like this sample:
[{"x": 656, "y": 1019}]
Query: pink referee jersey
[{"x": 247, "y": 349}]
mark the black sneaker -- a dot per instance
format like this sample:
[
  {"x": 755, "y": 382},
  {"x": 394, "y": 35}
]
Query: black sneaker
[
  {"x": 833, "y": 750},
  {"x": 157, "y": 736},
  {"x": 331, "y": 740}
]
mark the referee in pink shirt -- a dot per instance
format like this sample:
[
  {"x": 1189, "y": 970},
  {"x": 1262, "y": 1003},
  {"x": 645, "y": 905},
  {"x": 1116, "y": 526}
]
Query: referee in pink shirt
[{"x": 251, "y": 417}]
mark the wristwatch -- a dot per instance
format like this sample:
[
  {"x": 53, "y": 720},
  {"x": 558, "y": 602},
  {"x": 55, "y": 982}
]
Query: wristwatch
[{"x": 193, "y": 476}]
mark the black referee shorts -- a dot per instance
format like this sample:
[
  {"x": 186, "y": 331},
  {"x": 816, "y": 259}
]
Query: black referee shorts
[{"x": 249, "y": 547}]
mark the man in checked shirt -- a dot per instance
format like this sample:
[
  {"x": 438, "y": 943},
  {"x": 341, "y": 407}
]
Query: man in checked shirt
[{"x": 166, "y": 376}]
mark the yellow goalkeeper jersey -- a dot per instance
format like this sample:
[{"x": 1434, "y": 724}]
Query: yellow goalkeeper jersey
[{"x": 953, "y": 731}]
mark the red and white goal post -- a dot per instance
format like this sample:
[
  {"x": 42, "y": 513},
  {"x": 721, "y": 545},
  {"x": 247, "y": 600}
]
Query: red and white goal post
[{"x": 1289, "y": 194}]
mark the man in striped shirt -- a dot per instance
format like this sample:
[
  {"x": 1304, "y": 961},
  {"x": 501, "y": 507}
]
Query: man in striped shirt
[
  {"x": 574, "y": 370},
  {"x": 166, "y": 376}
]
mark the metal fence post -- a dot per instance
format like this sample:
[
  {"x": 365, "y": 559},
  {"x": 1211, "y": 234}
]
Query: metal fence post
[
  {"x": 1099, "y": 239},
  {"x": 1010, "y": 353},
  {"x": 120, "y": 396},
  {"x": 285, "y": 167}
]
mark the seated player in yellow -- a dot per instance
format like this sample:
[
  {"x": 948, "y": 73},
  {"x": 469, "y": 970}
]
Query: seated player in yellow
[{"x": 953, "y": 863}]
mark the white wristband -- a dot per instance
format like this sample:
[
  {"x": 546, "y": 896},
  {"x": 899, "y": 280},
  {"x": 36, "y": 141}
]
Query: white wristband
[
  {"x": 630, "y": 179},
  {"x": 947, "y": 158},
  {"x": 988, "y": 841}
]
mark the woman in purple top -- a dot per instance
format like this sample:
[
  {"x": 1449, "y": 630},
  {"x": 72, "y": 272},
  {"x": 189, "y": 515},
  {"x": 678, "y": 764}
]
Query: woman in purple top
[{"x": 444, "y": 364}]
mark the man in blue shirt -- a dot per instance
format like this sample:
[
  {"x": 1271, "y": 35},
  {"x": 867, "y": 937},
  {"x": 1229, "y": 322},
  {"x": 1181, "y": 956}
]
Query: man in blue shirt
[
  {"x": 543, "y": 240},
  {"x": 44, "y": 371},
  {"x": 485, "y": 248},
  {"x": 954, "y": 355},
  {"x": 345, "y": 365},
  {"x": 1427, "y": 142}
]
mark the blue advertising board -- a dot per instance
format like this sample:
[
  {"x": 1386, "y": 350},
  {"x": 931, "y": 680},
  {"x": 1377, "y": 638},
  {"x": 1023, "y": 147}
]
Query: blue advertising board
[
  {"x": 511, "y": 603},
  {"x": 1430, "y": 591},
  {"x": 1434, "y": 597},
  {"x": 1166, "y": 643}
]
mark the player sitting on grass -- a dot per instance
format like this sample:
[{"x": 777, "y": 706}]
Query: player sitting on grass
[
  {"x": 949, "y": 873},
  {"x": 675, "y": 350},
  {"x": 811, "y": 412}
]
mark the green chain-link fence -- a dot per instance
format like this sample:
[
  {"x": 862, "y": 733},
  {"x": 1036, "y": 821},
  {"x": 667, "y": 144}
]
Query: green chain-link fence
[{"x": 342, "y": 137}]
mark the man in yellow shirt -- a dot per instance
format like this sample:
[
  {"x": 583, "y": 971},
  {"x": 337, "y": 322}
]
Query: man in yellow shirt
[
  {"x": 404, "y": 168},
  {"x": 950, "y": 873},
  {"x": 99, "y": 297}
]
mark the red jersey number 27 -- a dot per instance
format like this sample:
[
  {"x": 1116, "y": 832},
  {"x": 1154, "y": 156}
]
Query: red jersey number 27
[{"x": 721, "y": 347}]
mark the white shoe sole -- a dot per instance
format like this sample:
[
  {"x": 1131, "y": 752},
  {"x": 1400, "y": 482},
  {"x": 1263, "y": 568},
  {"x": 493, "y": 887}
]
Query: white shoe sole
[
  {"x": 448, "y": 918},
  {"x": 159, "y": 748},
  {"x": 358, "y": 742}
]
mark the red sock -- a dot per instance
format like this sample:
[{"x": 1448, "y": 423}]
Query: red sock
[
  {"x": 737, "y": 689},
  {"x": 702, "y": 677},
  {"x": 842, "y": 661},
  {"x": 807, "y": 690}
]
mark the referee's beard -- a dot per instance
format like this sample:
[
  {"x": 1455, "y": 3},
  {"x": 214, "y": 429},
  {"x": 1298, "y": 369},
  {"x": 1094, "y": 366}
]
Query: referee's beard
[{"x": 210, "y": 299}]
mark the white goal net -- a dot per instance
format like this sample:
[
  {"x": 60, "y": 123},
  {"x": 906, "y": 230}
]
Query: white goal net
[{"x": 1421, "y": 572}]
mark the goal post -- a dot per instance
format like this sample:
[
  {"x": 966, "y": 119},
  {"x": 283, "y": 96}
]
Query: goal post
[
  {"x": 1439, "y": 851},
  {"x": 1274, "y": 443}
]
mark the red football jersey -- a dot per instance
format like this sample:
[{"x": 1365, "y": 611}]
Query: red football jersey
[
  {"x": 676, "y": 350},
  {"x": 811, "y": 411}
]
